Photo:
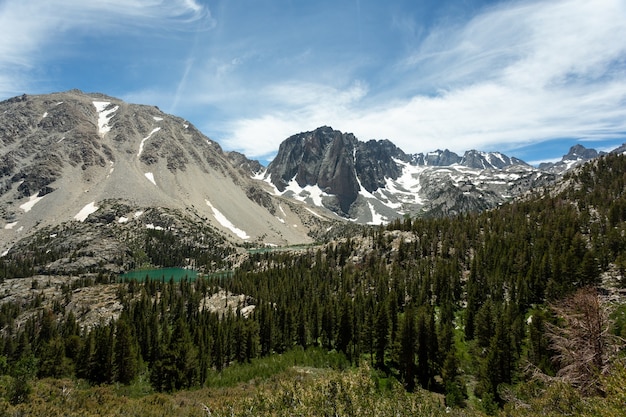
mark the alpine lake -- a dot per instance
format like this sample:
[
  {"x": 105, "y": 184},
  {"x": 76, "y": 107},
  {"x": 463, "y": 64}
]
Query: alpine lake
[{"x": 160, "y": 274}]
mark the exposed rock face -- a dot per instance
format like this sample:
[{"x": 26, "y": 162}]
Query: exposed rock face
[
  {"x": 375, "y": 162},
  {"x": 66, "y": 157},
  {"x": 375, "y": 181},
  {"x": 247, "y": 166},
  {"x": 337, "y": 163},
  {"x": 323, "y": 158},
  {"x": 577, "y": 155}
]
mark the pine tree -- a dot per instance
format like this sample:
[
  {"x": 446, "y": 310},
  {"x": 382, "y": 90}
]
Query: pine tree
[
  {"x": 406, "y": 357},
  {"x": 382, "y": 336},
  {"x": 455, "y": 390},
  {"x": 345, "y": 330},
  {"x": 427, "y": 347},
  {"x": 125, "y": 353},
  {"x": 101, "y": 364}
]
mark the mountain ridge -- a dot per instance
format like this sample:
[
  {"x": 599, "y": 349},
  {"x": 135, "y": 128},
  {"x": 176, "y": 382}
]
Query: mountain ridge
[
  {"x": 70, "y": 160},
  {"x": 375, "y": 181},
  {"x": 68, "y": 156}
]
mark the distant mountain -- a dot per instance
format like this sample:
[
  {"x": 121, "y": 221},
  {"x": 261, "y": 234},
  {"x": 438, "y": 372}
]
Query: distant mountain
[
  {"x": 375, "y": 181},
  {"x": 471, "y": 159},
  {"x": 92, "y": 174},
  {"x": 577, "y": 154},
  {"x": 91, "y": 183}
]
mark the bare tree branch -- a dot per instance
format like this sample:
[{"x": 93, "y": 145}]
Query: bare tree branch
[{"x": 583, "y": 342}]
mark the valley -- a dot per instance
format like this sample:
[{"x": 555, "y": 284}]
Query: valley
[{"x": 356, "y": 278}]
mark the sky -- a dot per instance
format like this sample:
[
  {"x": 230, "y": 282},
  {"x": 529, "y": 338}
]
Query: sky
[{"x": 527, "y": 78}]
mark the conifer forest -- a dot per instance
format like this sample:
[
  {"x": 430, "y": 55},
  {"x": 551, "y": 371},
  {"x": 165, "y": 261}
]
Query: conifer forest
[{"x": 514, "y": 311}]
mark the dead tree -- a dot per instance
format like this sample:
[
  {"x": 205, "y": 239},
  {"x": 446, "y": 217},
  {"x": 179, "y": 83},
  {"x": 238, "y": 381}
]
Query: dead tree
[{"x": 582, "y": 340}]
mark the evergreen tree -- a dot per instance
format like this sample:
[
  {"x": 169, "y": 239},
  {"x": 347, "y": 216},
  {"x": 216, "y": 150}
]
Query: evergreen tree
[
  {"x": 408, "y": 343},
  {"x": 345, "y": 330},
  {"x": 382, "y": 336},
  {"x": 454, "y": 387},
  {"x": 125, "y": 353},
  {"x": 101, "y": 364}
]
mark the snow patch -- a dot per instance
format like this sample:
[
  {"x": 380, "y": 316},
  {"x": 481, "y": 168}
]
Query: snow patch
[
  {"x": 157, "y": 119},
  {"x": 33, "y": 199},
  {"x": 313, "y": 213},
  {"x": 5, "y": 253},
  {"x": 408, "y": 185},
  {"x": 153, "y": 227},
  {"x": 143, "y": 141},
  {"x": 377, "y": 218},
  {"x": 86, "y": 211},
  {"x": 59, "y": 141},
  {"x": 312, "y": 192},
  {"x": 44, "y": 115},
  {"x": 104, "y": 116},
  {"x": 150, "y": 177},
  {"x": 259, "y": 175},
  {"x": 138, "y": 213},
  {"x": 122, "y": 219},
  {"x": 226, "y": 223},
  {"x": 10, "y": 226}
]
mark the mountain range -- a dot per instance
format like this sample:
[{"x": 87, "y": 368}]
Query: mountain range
[
  {"x": 88, "y": 181},
  {"x": 374, "y": 182}
]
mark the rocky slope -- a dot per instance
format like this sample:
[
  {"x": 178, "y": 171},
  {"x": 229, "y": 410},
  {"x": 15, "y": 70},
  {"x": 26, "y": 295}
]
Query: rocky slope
[
  {"x": 93, "y": 164},
  {"x": 375, "y": 181},
  {"x": 89, "y": 182}
]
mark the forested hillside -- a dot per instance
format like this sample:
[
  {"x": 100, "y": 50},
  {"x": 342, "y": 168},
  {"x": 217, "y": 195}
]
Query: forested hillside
[{"x": 470, "y": 307}]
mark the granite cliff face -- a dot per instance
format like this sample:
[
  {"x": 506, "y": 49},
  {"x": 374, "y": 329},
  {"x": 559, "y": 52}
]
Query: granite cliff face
[
  {"x": 87, "y": 181},
  {"x": 337, "y": 163},
  {"x": 375, "y": 181}
]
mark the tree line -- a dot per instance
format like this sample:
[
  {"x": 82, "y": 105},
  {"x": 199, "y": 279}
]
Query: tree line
[{"x": 431, "y": 302}]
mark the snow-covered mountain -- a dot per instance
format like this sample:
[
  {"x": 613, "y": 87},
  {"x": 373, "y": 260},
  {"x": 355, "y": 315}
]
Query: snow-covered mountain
[
  {"x": 88, "y": 180},
  {"x": 375, "y": 182},
  {"x": 577, "y": 155},
  {"x": 88, "y": 161}
]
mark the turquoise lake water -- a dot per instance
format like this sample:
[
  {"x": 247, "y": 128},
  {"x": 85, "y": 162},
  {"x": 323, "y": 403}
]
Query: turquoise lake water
[{"x": 159, "y": 274}]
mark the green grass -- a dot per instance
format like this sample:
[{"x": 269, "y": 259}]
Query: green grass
[{"x": 264, "y": 368}]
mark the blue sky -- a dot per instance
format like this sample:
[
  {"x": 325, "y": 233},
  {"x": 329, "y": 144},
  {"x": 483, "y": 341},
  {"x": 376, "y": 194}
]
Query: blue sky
[{"x": 528, "y": 78}]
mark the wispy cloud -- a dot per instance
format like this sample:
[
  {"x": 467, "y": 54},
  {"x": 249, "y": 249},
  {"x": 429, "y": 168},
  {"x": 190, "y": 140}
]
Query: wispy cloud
[
  {"x": 519, "y": 73},
  {"x": 303, "y": 106},
  {"x": 30, "y": 28},
  {"x": 500, "y": 77}
]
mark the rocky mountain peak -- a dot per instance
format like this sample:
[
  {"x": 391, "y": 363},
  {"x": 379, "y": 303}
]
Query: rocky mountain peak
[
  {"x": 576, "y": 155},
  {"x": 337, "y": 163},
  {"x": 375, "y": 181},
  {"x": 579, "y": 152},
  {"x": 66, "y": 156},
  {"x": 488, "y": 160},
  {"x": 436, "y": 158}
]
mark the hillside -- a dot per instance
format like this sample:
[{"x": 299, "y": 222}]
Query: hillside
[
  {"x": 91, "y": 184},
  {"x": 90, "y": 176},
  {"x": 461, "y": 306}
]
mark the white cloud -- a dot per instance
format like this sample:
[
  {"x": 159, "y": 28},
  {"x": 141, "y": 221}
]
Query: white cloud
[
  {"x": 29, "y": 27},
  {"x": 306, "y": 106},
  {"x": 518, "y": 73}
]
